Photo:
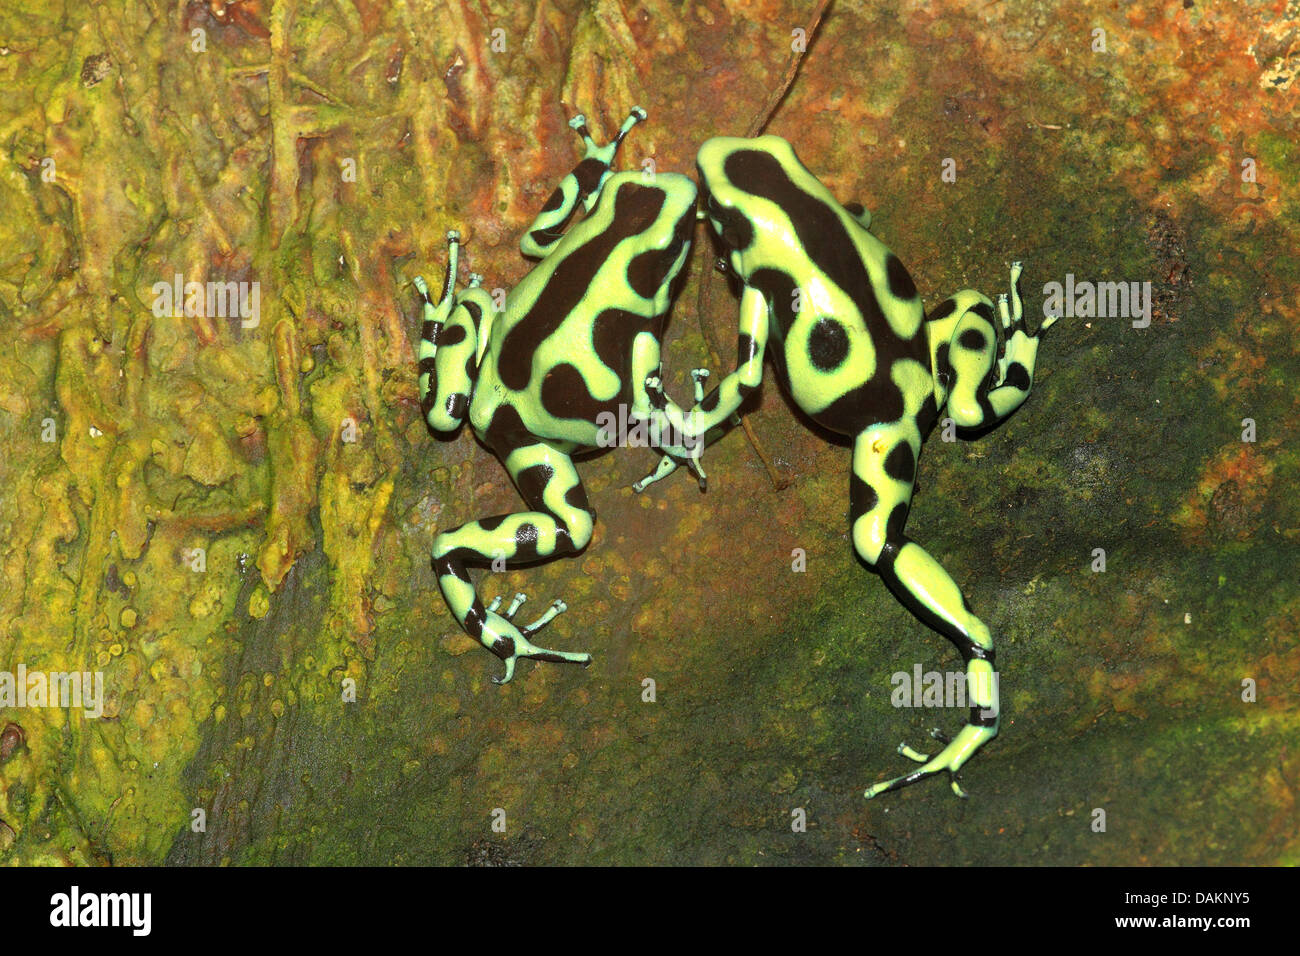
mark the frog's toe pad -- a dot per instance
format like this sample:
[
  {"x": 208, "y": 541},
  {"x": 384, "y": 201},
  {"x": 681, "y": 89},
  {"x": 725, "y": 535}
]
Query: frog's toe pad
[
  {"x": 557, "y": 607},
  {"x": 906, "y": 751}
]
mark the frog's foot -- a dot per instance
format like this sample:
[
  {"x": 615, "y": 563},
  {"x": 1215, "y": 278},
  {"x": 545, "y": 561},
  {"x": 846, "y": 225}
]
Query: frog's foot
[
  {"x": 691, "y": 451},
  {"x": 635, "y": 115},
  {"x": 955, "y": 753},
  {"x": 679, "y": 450},
  {"x": 668, "y": 464},
  {"x": 654, "y": 386},
  {"x": 449, "y": 284},
  {"x": 690, "y": 447},
  {"x": 700, "y": 377},
  {"x": 606, "y": 153},
  {"x": 510, "y": 642},
  {"x": 692, "y": 459},
  {"x": 660, "y": 403},
  {"x": 1013, "y": 318}
]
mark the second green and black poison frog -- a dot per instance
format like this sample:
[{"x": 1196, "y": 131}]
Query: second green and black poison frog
[
  {"x": 841, "y": 319},
  {"x": 577, "y": 337}
]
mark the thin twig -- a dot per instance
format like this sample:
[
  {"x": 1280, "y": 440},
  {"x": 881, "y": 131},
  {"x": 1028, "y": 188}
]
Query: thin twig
[
  {"x": 764, "y": 116},
  {"x": 704, "y": 300}
]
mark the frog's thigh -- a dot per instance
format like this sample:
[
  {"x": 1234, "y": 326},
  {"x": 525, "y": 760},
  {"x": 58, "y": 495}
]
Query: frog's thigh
[
  {"x": 549, "y": 483},
  {"x": 560, "y": 522},
  {"x": 880, "y": 488}
]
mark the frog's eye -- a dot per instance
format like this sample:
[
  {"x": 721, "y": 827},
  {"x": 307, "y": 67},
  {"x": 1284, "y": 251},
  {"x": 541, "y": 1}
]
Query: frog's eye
[
  {"x": 734, "y": 282},
  {"x": 736, "y": 231},
  {"x": 731, "y": 225},
  {"x": 715, "y": 208}
]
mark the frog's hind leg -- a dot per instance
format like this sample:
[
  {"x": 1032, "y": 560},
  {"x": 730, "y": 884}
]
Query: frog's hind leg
[
  {"x": 884, "y": 468},
  {"x": 560, "y": 523},
  {"x": 582, "y": 184}
]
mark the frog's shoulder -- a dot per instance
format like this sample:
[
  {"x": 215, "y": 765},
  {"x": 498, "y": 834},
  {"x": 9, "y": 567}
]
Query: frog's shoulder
[{"x": 644, "y": 196}]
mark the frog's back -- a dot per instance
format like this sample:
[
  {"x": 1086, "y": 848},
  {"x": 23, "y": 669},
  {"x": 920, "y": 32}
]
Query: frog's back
[
  {"x": 843, "y": 307},
  {"x": 562, "y": 350}
]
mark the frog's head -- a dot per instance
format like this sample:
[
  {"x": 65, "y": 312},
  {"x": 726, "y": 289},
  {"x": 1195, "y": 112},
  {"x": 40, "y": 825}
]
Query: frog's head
[
  {"x": 654, "y": 216},
  {"x": 749, "y": 187}
]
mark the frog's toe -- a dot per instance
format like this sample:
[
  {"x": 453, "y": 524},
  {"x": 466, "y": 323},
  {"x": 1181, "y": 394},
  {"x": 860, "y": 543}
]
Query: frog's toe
[
  {"x": 915, "y": 776},
  {"x": 525, "y": 648},
  {"x": 1004, "y": 312},
  {"x": 905, "y": 751},
  {"x": 693, "y": 462},
  {"x": 513, "y": 609},
  {"x": 557, "y": 607},
  {"x": 665, "y": 468},
  {"x": 700, "y": 376}
]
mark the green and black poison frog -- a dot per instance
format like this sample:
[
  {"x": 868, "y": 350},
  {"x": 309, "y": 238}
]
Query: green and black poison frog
[
  {"x": 852, "y": 346},
  {"x": 578, "y": 337}
]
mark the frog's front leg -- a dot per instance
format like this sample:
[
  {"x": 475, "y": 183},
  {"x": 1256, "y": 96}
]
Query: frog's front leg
[
  {"x": 967, "y": 342},
  {"x": 451, "y": 337},
  {"x": 884, "y": 466},
  {"x": 560, "y": 523},
  {"x": 582, "y": 184},
  {"x": 722, "y": 404}
]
